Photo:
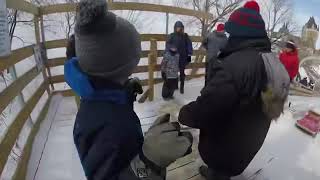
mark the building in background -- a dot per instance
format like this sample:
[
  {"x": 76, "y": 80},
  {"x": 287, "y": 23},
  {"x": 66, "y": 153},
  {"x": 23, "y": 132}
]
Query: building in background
[
  {"x": 306, "y": 43},
  {"x": 310, "y": 33}
]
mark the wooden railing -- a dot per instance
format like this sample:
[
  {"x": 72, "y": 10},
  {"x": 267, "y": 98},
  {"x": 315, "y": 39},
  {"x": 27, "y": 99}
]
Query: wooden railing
[
  {"x": 13, "y": 90},
  {"x": 151, "y": 68}
]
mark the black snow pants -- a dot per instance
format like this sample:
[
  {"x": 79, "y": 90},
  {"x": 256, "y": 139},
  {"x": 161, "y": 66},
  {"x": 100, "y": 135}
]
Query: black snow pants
[{"x": 169, "y": 86}]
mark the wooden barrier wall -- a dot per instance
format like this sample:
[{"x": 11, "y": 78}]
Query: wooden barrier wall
[{"x": 151, "y": 68}]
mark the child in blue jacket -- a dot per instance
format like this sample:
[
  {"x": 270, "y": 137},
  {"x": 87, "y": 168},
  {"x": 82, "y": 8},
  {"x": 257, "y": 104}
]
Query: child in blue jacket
[{"x": 107, "y": 132}]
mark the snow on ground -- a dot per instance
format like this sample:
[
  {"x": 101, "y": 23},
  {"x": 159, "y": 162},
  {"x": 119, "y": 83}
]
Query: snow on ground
[{"x": 287, "y": 154}]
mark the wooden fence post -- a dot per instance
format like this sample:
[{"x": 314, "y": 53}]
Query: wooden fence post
[
  {"x": 151, "y": 77},
  {"x": 199, "y": 59},
  {"x": 38, "y": 41},
  {"x": 152, "y": 57},
  {"x": 44, "y": 40}
]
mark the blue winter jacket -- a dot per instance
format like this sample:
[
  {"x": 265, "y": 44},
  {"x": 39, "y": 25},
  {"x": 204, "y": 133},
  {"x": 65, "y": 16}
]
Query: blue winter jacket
[{"x": 107, "y": 131}]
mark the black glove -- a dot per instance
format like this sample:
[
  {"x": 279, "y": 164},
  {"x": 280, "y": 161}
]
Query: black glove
[{"x": 133, "y": 87}]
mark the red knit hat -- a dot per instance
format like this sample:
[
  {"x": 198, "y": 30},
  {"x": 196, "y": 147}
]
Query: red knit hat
[
  {"x": 220, "y": 28},
  {"x": 252, "y": 5},
  {"x": 246, "y": 22}
]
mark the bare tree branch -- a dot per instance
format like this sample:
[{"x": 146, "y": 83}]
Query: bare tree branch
[
  {"x": 219, "y": 8},
  {"x": 276, "y": 13}
]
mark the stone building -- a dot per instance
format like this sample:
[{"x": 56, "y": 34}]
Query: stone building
[
  {"x": 308, "y": 40},
  {"x": 310, "y": 33}
]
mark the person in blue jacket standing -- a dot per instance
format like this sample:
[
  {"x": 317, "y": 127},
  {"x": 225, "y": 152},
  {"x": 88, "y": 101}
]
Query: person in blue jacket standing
[{"x": 182, "y": 41}]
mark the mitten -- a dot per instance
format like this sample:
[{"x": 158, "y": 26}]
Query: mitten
[
  {"x": 162, "y": 135},
  {"x": 156, "y": 156}
]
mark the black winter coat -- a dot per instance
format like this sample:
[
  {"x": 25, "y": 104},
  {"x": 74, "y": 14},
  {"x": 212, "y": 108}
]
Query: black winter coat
[
  {"x": 229, "y": 110},
  {"x": 183, "y": 43},
  {"x": 107, "y": 136}
]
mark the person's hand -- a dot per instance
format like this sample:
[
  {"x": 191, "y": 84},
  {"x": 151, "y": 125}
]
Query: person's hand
[
  {"x": 162, "y": 135},
  {"x": 134, "y": 87},
  {"x": 151, "y": 164}
]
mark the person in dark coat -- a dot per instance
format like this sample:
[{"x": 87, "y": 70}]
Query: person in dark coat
[
  {"x": 229, "y": 111},
  {"x": 181, "y": 40},
  {"x": 214, "y": 43}
]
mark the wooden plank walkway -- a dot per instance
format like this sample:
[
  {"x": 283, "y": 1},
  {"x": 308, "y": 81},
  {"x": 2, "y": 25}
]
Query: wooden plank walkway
[
  {"x": 60, "y": 161},
  {"x": 287, "y": 154}
]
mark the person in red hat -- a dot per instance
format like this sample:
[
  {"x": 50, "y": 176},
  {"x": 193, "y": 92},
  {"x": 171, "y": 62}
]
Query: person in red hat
[
  {"x": 290, "y": 59},
  {"x": 230, "y": 110},
  {"x": 214, "y": 43}
]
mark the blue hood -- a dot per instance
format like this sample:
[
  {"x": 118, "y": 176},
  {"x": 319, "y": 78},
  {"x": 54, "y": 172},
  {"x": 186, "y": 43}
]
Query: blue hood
[{"x": 80, "y": 83}]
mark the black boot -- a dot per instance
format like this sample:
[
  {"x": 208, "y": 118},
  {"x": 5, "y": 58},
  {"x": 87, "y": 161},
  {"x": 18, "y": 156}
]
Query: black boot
[
  {"x": 209, "y": 174},
  {"x": 204, "y": 171},
  {"x": 182, "y": 87},
  {"x": 182, "y": 90}
]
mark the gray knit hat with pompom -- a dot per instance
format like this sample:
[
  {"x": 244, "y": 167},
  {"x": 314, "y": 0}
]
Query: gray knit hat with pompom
[{"x": 107, "y": 46}]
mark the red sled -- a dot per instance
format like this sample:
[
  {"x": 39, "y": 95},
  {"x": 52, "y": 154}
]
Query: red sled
[{"x": 310, "y": 123}]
